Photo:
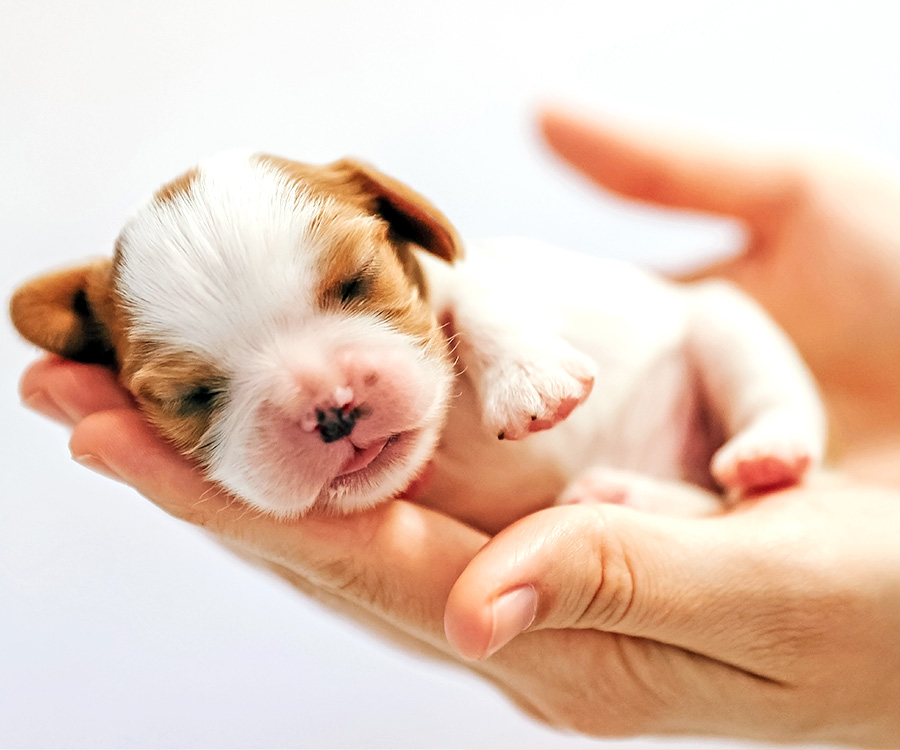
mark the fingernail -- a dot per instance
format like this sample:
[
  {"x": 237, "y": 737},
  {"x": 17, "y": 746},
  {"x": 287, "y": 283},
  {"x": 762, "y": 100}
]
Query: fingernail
[
  {"x": 42, "y": 403},
  {"x": 513, "y": 613},
  {"x": 93, "y": 463}
]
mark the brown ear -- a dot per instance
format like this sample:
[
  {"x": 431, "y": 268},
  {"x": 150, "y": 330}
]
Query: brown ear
[
  {"x": 69, "y": 313},
  {"x": 410, "y": 215}
]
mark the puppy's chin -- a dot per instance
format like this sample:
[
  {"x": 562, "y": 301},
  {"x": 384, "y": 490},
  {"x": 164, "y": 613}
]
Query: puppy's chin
[
  {"x": 401, "y": 461},
  {"x": 275, "y": 488}
]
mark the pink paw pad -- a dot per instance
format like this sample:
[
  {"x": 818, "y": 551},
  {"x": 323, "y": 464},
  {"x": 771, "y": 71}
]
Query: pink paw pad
[
  {"x": 544, "y": 404},
  {"x": 595, "y": 486},
  {"x": 562, "y": 410},
  {"x": 748, "y": 473}
]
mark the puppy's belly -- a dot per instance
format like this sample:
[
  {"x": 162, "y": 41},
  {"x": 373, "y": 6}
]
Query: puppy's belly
[{"x": 658, "y": 428}]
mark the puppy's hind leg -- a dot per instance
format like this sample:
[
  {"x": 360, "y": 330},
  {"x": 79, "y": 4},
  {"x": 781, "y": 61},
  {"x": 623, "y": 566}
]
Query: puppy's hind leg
[
  {"x": 600, "y": 484},
  {"x": 758, "y": 387}
]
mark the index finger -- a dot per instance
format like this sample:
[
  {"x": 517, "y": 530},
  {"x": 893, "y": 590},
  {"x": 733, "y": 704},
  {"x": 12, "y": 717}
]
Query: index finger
[
  {"x": 673, "y": 170},
  {"x": 67, "y": 391}
]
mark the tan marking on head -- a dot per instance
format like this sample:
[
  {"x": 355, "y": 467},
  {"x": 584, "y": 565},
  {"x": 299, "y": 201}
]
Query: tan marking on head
[
  {"x": 411, "y": 216},
  {"x": 361, "y": 251},
  {"x": 178, "y": 187},
  {"x": 361, "y": 272}
]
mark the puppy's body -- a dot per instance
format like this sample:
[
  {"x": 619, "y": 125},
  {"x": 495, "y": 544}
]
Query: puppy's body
[
  {"x": 302, "y": 332},
  {"x": 645, "y": 412}
]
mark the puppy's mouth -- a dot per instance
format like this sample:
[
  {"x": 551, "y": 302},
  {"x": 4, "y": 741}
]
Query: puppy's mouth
[{"x": 370, "y": 456}]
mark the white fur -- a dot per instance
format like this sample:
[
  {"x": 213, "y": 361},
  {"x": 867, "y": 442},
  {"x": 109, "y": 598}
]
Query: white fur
[
  {"x": 664, "y": 354},
  {"x": 222, "y": 261},
  {"x": 228, "y": 272}
]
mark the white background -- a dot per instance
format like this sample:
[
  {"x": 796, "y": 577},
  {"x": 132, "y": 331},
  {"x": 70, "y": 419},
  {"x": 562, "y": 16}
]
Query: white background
[{"x": 121, "y": 627}]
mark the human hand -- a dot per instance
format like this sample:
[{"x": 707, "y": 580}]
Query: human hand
[
  {"x": 777, "y": 622},
  {"x": 822, "y": 256},
  {"x": 352, "y": 563},
  {"x": 643, "y": 624}
]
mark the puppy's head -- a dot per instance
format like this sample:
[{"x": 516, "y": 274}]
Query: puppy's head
[{"x": 271, "y": 319}]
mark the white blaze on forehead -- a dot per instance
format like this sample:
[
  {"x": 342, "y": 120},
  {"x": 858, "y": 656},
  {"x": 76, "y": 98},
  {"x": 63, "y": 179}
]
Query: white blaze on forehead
[{"x": 227, "y": 255}]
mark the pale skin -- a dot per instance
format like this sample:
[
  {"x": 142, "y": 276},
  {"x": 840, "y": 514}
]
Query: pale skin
[{"x": 779, "y": 620}]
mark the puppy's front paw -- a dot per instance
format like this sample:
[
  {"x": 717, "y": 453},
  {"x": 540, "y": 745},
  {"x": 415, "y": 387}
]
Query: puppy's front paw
[
  {"x": 530, "y": 394},
  {"x": 763, "y": 458}
]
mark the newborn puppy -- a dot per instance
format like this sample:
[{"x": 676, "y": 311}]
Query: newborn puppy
[{"x": 315, "y": 337}]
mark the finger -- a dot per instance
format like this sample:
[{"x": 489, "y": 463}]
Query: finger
[
  {"x": 68, "y": 391},
  {"x": 672, "y": 170},
  {"x": 398, "y": 561},
  {"x": 680, "y": 582},
  {"x": 749, "y": 271},
  {"x": 393, "y": 568}
]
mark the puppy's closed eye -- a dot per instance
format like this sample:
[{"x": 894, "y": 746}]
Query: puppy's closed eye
[
  {"x": 181, "y": 389},
  {"x": 198, "y": 399},
  {"x": 352, "y": 289}
]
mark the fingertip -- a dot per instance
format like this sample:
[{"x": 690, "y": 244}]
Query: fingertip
[
  {"x": 122, "y": 440},
  {"x": 68, "y": 391},
  {"x": 34, "y": 377},
  {"x": 95, "y": 464},
  {"x": 563, "y": 129},
  {"x": 492, "y": 601},
  {"x": 512, "y": 614},
  {"x": 42, "y": 403},
  {"x": 121, "y": 444},
  {"x": 550, "y": 116},
  {"x": 467, "y": 627},
  {"x": 102, "y": 435}
]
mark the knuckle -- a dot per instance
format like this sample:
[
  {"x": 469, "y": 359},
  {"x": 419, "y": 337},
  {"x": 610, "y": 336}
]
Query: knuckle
[
  {"x": 609, "y": 601},
  {"x": 600, "y": 583},
  {"x": 794, "y": 185}
]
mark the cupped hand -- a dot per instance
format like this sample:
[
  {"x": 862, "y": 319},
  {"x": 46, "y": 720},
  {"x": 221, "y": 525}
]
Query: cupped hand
[
  {"x": 778, "y": 621},
  {"x": 798, "y": 591},
  {"x": 637, "y": 624},
  {"x": 397, "y": 559}
]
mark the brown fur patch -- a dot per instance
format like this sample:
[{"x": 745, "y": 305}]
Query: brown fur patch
[
  {"x": 361, "y": 251},
  {"x": 361, "y": 271},
  {"x": 70, "y": 313},
  {"x": 410, "y": 215},
  {"x": 167, "y": 386},
  {"x": 180, "y": 186}
]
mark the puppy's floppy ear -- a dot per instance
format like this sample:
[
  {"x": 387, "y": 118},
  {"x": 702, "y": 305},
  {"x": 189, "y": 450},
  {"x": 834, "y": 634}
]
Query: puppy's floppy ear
[
  {"x": 410, "y": 215},
  {"x": 69, "y": 313}
]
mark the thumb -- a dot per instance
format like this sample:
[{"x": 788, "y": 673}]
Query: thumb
[{"x": 682, "y": 582}]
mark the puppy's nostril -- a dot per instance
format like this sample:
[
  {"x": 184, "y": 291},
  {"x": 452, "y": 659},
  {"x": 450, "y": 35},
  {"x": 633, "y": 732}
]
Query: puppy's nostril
[{"x": 335, "y": 424}]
